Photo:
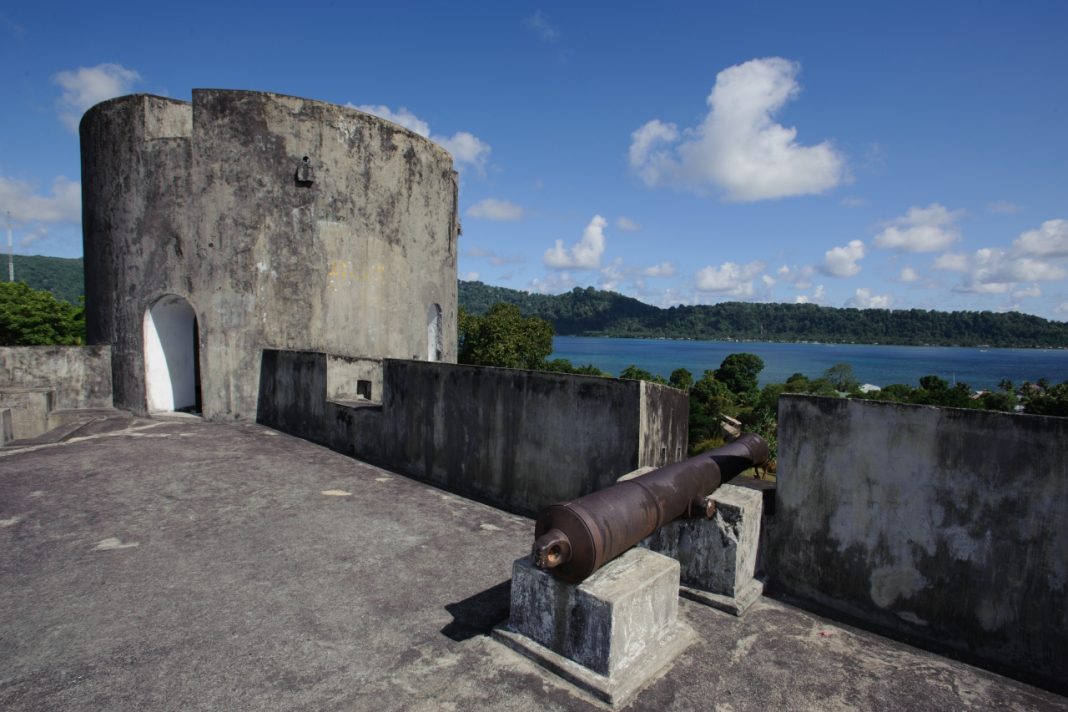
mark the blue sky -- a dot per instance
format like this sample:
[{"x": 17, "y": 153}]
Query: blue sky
[{"x": 901, "y": 155}]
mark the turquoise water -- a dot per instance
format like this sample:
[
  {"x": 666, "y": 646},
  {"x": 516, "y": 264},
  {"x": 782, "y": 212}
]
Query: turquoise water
[{"x": 881, "y": 365}]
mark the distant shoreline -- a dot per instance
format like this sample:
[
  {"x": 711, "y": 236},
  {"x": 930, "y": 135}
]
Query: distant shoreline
[
  {"x": 809, "y": 341},
  {"x": 593, "y": 313},
  {"x": 878, "y": 364}
]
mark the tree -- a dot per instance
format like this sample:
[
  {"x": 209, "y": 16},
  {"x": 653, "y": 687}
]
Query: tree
[
  {"x": 562, "y": 365},
  {"x": 30, "y": 317},
  {"x": 998, "y": 400},
  {"x": 767, "y": 406},
  {"x": 1052, "y": 401},
  {"x": 709, "y": 399},
  {"x": 937, "y": 391},
  {"x": 504, "y": 337},
  {"x": 841, "y": 377},
  {"x": 639, "y": 374},
  {"x": 681, "y": 379},
  {"x": 739, "y": 373}
]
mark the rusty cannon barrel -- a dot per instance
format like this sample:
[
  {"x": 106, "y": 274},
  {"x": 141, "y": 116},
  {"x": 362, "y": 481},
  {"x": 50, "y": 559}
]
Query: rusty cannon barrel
[{"x": 574, "y": 539}]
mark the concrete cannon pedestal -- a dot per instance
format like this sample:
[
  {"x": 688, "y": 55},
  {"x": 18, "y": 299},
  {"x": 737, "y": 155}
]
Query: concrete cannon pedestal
[
  {"x": 717, "y": 556},
  {"x": 610, "y": 634}
]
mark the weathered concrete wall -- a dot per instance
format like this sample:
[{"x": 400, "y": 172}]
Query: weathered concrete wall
[
  {"x": 137, "y": 240},
  {"x": 292, "y": 394},
  {"x": 665, "y": 424},
  {"x": 528, "y": 437},
  {"x": 350, "y": 378},
  {"x": 79, "y": 375},
  {"x": 947, "y": 526},
  {"x": 28, "y": 409},
  {"x": 285, "y": 223},
  {"x": 519, "y": 439}
]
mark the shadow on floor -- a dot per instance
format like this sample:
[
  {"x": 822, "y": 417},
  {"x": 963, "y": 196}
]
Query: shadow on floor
[{"x": 476, "y": 615}]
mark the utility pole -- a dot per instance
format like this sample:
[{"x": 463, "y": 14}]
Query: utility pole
[{"x": 10, "y": 251}]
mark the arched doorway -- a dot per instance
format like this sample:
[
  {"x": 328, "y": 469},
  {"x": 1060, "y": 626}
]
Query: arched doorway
[
  {"x": 433, "y": 333},
  {"x": 172, "y": 359}
]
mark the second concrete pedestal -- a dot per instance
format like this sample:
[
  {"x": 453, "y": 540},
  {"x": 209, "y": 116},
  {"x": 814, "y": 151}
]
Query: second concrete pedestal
[
  {"x": 718, "y": 555},
  {"x": 610, "y": 634}
]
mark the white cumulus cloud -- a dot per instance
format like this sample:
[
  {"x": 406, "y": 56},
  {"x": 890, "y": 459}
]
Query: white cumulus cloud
[
  {"x": 952, "y": 262},
  {"x": 26, "y": 205},
  {"x": 401, "y": 117},
  {"x": 738, "y": 146},
  {"x": 664, "y": 269},
  {"x": 816, "y": 298},
  {"x": 85, "y": 86},
  {"x": 908, "y": 275},
  {"x": 1033, "y": 291},
  {"x": 1049, "y": 240},
  {"x": 974, "y": 287},
  {"x": 993, "y": 265},
  {"x": 798, "y": 277},
  {"x": 469, "y": 276},
  {"x": 991, "y": 270},
  {"x": 466, "y": 148},
  {"x": 730, "y": 278},
  {"x": 843, "y": 261},
  {"x": 920, "y": 230},
  {"x": 1037, "y": 255},
  {"x": 494, "y": 209},
  {"x": 627, "y": 225},
  {"x": 585, "y": 254},
  {"x": 863, "y": 298},
  {"x": 553, "y": 283},
  {"x": 650, "y": 153},
  {"x": 613, "y": 274}
]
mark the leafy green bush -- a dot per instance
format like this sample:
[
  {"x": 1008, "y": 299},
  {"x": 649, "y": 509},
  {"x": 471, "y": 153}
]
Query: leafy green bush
[
  {"x": 30, "y": 317},
  {"x": 504, "y": 337}
]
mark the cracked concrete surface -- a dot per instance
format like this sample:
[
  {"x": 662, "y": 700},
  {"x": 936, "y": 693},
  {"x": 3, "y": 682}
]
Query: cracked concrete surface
[{"x": 256, "y": 585}]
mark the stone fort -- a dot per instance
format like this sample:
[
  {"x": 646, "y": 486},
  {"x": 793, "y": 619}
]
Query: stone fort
[
  {"x": 246, "y": 221},
  {"x": 265, "y": 258}
]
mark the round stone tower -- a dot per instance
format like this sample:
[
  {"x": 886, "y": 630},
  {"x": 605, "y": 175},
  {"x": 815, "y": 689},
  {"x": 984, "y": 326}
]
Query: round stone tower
[{"x": 245, "y": 221}]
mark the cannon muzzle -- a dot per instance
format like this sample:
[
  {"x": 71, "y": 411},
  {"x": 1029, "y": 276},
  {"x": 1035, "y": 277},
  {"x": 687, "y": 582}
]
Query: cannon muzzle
[{"x": 574, "y": 539}]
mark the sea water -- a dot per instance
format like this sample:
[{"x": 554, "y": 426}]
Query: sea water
[{"x": 980, "y": 368}]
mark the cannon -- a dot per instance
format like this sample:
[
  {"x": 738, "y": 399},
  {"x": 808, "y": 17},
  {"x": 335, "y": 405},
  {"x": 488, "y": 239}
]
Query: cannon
[{"x": 574, "y": 539}]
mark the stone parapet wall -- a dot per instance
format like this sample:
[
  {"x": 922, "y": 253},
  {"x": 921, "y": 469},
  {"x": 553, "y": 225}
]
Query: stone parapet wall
[
  {"x": 79, "y": 375},
  {"x": 944, "y": 526},
  {"x": 519, "y": 439}
]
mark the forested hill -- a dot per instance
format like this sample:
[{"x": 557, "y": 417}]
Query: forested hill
[
  {"x": 60, "y": 275},
  {"x": 592, "y": 312}
]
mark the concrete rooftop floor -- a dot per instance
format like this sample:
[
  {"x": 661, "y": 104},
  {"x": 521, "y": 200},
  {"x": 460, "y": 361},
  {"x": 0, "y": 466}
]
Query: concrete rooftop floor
[{"x": 195, "y": 566}]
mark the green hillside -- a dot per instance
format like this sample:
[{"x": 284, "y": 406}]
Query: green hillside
[
  {"x": 59, "y": 275},
  {"x": 592, "y": 312}
]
